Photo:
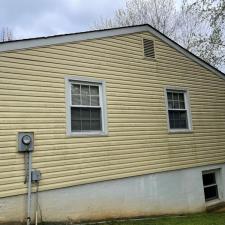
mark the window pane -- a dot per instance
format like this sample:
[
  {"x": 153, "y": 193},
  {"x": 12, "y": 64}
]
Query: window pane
[
  {"x": 85, "y": 100},
  {"x": 94, "y": 90},
  {"x": 76, "y": 100},
  {"x": 175, "y": 100},
  {"x": 172, "y": 123},
  {"x": 175, "y": 105},
  {"x": 211, "y": 193},
  {"x": 85, "y": 90},
  {"x": 170, "y": 104},
  {"x": 175, "y": 96},
  {"x": 85, "y": 95},
  {"x": 95, "y": 100},
  {"x": 85, "y": 114},
  {"x": 76, "y": 125},
  {"x": 182, "y": 124},
  {"x": 86, "y": 125},
  {"x": 178, "y": 119},
  {"x": 183, "y": 115},
  {"x": 169, "y": 95},
  {"x": 182, "y": 105},
  {"x": 95, "y": 114},
  {"x": 176, "y": 124},
  {"x": 95, "y": 125},
  {"x": 75, "y": 119},
  {"x": 181, "y": 97},
  {"x": 75, "y": 114},
  {"x": 76, "y": 89},
  {"x": 96, "y": 119},
  {"x": 209, "y": 178},
  {"x": 85, "y": 119}
]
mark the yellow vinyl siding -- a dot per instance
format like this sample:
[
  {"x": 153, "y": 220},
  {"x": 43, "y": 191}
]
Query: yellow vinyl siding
[{"x": 32, "y": 98}]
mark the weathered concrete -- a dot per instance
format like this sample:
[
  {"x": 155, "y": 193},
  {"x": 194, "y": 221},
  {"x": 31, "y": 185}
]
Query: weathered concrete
[{"x": 171, "y": 192}]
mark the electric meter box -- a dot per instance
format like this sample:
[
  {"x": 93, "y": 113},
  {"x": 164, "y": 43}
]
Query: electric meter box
[
  {"x": 25, "y": 141},
  {"x": 35, "y": 175}
]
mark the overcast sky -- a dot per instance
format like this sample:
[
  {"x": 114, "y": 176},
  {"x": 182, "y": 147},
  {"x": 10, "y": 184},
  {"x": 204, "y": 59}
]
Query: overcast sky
[{"x": 31, "y": 18}]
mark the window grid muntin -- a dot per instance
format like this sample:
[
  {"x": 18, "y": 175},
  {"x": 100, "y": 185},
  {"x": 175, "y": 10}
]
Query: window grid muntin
[
  {"x": 102, "y": 122},
  {"x": 216, "y": 196},
  {"x": 90, "y": 95},
  {"x": 178, "y": 109},
  {"x": 178, "y": 101},
  {"x": 82, "y": 119},
  {"x": 207, "y": 187},
  {"x": 178, "y": 123}
]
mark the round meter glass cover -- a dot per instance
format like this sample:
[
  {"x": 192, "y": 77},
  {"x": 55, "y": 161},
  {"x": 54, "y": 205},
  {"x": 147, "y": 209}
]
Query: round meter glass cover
[{"x": 26, "y": 139}]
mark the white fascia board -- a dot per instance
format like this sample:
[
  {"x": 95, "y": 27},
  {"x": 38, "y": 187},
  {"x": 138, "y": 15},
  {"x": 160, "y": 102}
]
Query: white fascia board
[{"x": 68, "y": 38}]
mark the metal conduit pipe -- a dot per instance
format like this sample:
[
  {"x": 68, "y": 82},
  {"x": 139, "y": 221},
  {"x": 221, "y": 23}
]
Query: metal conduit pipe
[{"x": 29, "y": 186}]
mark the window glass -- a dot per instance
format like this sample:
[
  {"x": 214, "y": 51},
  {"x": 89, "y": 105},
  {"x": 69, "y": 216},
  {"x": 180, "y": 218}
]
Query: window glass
[
  {"x": 94, "y": 90},
  {"x": 94, "y": 100},
  {"x": 177, "y": 111},
  {"x": 211, "y": 193},
  {"x": 178, "y": 119},
  {"x": 209, "y": 178},
  {"x": 210, "y": 186},
  {"x": 85, "y": 108}
]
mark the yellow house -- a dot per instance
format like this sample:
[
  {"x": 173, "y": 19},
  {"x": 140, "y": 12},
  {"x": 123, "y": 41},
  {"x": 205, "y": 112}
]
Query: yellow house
[{"x": 122, "y": 122}]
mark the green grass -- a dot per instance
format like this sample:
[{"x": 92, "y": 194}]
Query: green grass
[
  {"x": 202, "y": 219},
  {"x": 195, "y": 219}
]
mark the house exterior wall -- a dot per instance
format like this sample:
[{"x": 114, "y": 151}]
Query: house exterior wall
[
  {"x": 172, "y": 192},
  {"x": 32, "y": 98}
]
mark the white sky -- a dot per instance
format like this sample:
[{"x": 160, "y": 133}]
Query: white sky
[{"x": 31, "y": 18}]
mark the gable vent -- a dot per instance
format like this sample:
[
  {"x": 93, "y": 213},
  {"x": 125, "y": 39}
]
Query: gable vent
[{"x": 149, "y": 50}]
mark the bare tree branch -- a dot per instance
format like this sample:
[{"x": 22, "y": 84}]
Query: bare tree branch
[
  {"x": 6, "y": 34},
  {"x": 199, "y": 26},
  {"x": 161, "y": 14}
]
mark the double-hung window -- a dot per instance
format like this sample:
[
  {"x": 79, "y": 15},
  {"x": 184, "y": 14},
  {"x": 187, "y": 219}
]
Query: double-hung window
[
  {"x": 178, "y": 110},
  {"x": 210, "y": 184},
  {"x": 87, "y": 113}
]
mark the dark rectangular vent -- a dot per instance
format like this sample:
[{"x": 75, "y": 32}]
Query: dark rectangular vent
[{"x": 149, "y": 50}]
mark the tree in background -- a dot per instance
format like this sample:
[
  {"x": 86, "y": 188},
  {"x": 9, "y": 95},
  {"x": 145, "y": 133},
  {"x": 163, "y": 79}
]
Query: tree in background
[
  {"x": 161, "y": 14},
  {"x": 201, "y": 30},
  {"x": 6, "y": 34},
  {"x": 198, "y": 25}
]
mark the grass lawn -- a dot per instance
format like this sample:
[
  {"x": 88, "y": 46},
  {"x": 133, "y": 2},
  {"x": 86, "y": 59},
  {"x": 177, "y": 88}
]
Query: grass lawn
[
  {"x": 198, "y": 219},
  {"x": 195, "y": 219}
]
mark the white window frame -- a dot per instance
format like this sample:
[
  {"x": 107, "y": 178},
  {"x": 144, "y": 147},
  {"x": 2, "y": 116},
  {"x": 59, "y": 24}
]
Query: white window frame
[
  {"x": 187, "y": 107},
  {"x": 102, "y": 100},
  {"x": 217, "y": 173}
]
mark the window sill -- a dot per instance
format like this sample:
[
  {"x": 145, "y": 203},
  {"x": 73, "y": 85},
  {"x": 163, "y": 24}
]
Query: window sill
[
  {"x": 88, "y": 134},
  {"x": 176, "y": 131},
  {"x": 215, "y": 204}
]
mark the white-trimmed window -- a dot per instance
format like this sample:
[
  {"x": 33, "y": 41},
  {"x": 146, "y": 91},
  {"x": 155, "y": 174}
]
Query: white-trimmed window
[
  {"x": 178, "y": 110},
  {"x": 210, "y": 181},
  {"x": 86, "y": 107}
]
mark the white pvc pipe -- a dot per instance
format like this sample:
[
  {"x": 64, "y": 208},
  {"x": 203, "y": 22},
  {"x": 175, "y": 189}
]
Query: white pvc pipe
[{"x": 29, "y": 187}]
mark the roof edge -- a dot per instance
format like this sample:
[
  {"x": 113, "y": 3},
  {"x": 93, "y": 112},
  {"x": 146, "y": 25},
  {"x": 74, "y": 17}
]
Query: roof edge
[
  {"x": 89, "y": 35},
  {"x": 67, "y": 38}
]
